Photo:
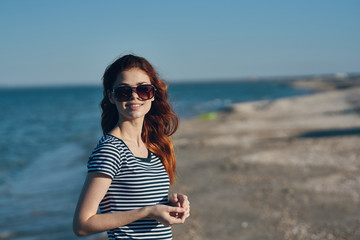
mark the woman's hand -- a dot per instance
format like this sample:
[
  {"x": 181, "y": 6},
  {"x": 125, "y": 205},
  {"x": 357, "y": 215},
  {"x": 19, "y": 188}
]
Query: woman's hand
[
  {"x": 181, "y": 200},
  {"x": 167, "y": 215}
]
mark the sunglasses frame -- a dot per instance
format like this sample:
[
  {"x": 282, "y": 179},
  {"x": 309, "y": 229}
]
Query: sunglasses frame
[{"x": 134, "y": 89}]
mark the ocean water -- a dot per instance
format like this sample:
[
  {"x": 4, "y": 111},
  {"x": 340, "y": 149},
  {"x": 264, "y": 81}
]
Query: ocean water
[{"x": 47, "y": 135}]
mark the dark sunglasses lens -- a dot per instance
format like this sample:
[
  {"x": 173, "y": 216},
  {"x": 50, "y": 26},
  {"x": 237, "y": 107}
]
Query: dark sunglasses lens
[
  {"x": 123, "y": 93},
  {"x": 145, "y": 91}
]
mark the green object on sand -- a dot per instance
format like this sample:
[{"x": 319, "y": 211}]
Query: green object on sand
[{"x": 208, "y": 116}]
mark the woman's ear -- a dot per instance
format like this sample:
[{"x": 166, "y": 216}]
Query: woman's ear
[{"x": 110, "y": 96}]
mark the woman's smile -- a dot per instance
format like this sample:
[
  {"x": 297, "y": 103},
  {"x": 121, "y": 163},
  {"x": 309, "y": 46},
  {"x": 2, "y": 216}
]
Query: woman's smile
[{"x": 133, "y": 106}]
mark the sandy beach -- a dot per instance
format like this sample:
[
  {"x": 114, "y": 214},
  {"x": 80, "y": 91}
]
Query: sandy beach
[{"x": 284, "y": 169}]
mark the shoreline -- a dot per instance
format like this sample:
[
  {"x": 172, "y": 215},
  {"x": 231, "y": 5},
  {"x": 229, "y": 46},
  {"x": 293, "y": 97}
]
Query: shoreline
[{"x": 282, "y": 169}]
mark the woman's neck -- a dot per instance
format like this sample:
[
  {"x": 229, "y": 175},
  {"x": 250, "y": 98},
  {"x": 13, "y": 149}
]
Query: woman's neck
[{"x": 129, "y": 131}]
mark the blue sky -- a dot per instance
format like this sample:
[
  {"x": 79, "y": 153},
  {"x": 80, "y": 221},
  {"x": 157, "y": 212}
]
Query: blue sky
[{"x": 71, "y": 42}]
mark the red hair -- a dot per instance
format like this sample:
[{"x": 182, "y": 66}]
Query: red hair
[{"x": 159, "y": 123}]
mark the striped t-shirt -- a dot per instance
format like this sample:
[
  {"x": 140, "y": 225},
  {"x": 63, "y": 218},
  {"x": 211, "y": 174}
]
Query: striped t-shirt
[{"x": 136, "y": 183}]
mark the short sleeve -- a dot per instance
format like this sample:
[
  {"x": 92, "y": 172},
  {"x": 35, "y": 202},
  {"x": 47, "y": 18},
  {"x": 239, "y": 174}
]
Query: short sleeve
[{"x": 105, "y": 159}]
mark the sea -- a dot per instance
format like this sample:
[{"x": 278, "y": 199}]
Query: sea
[{"x": 47, "y": 134}]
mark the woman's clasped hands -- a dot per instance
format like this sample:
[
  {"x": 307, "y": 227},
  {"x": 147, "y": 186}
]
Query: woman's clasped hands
[{"x": 174, "y": 214}]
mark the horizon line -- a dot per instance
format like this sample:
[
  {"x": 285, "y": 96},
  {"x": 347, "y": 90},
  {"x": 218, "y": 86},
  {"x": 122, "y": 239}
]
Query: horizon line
[{"x": 338, "y": 75}]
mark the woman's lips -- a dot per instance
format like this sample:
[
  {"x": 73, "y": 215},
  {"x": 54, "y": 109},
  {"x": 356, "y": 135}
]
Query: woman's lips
[{"x": 134, "y": 106}]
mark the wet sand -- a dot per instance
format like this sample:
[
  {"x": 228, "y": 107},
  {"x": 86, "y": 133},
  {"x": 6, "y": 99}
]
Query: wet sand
[{"x": 285, "y": 169}]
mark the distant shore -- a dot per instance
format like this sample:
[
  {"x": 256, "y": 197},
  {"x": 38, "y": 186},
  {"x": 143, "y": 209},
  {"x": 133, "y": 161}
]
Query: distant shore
[
  {"x": 283, "y": 169},
  {"x": 328, "y": 83}
]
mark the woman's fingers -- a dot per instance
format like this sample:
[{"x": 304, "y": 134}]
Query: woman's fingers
[
  {"x": 185, "y": 204},
  {"x": 180, "y": 200},
  {"x": 167, "y": 215},
  {"x": 183, "y": 199},
  {"x": 173, "y": 216},
  {"x": 176, "y": 211},
  {"x": 174, "y": 200}
]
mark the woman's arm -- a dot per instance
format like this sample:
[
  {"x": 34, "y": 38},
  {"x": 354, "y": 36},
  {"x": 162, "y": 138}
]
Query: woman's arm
[{"x": 87, "y": 221}]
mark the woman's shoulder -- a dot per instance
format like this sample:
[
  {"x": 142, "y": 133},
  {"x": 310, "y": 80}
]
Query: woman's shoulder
[{"x": 110, "y": 141}]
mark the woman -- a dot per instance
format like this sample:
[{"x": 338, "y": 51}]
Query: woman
[{"x": 130, "y": 170}]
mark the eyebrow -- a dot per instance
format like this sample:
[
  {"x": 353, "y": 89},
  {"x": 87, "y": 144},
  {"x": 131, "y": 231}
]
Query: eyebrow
[{"x": 125, "y": 84}]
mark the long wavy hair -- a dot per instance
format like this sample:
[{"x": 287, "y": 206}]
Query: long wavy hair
[{"x": 159, "y": 123}]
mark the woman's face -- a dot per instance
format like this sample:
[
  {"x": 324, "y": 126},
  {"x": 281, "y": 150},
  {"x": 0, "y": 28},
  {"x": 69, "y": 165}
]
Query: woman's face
[{"x": 135, "y": 107}]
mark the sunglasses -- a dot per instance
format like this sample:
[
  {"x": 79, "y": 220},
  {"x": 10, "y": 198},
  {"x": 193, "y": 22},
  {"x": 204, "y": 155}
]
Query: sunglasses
[{"x": 124, "y": 93}]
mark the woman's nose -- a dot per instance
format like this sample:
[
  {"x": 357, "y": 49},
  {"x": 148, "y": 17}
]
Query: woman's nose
[{"x": 134, "y": 95}]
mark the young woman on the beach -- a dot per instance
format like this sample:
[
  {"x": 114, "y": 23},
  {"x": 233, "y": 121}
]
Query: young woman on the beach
[{"x": 131, "y": 168}]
